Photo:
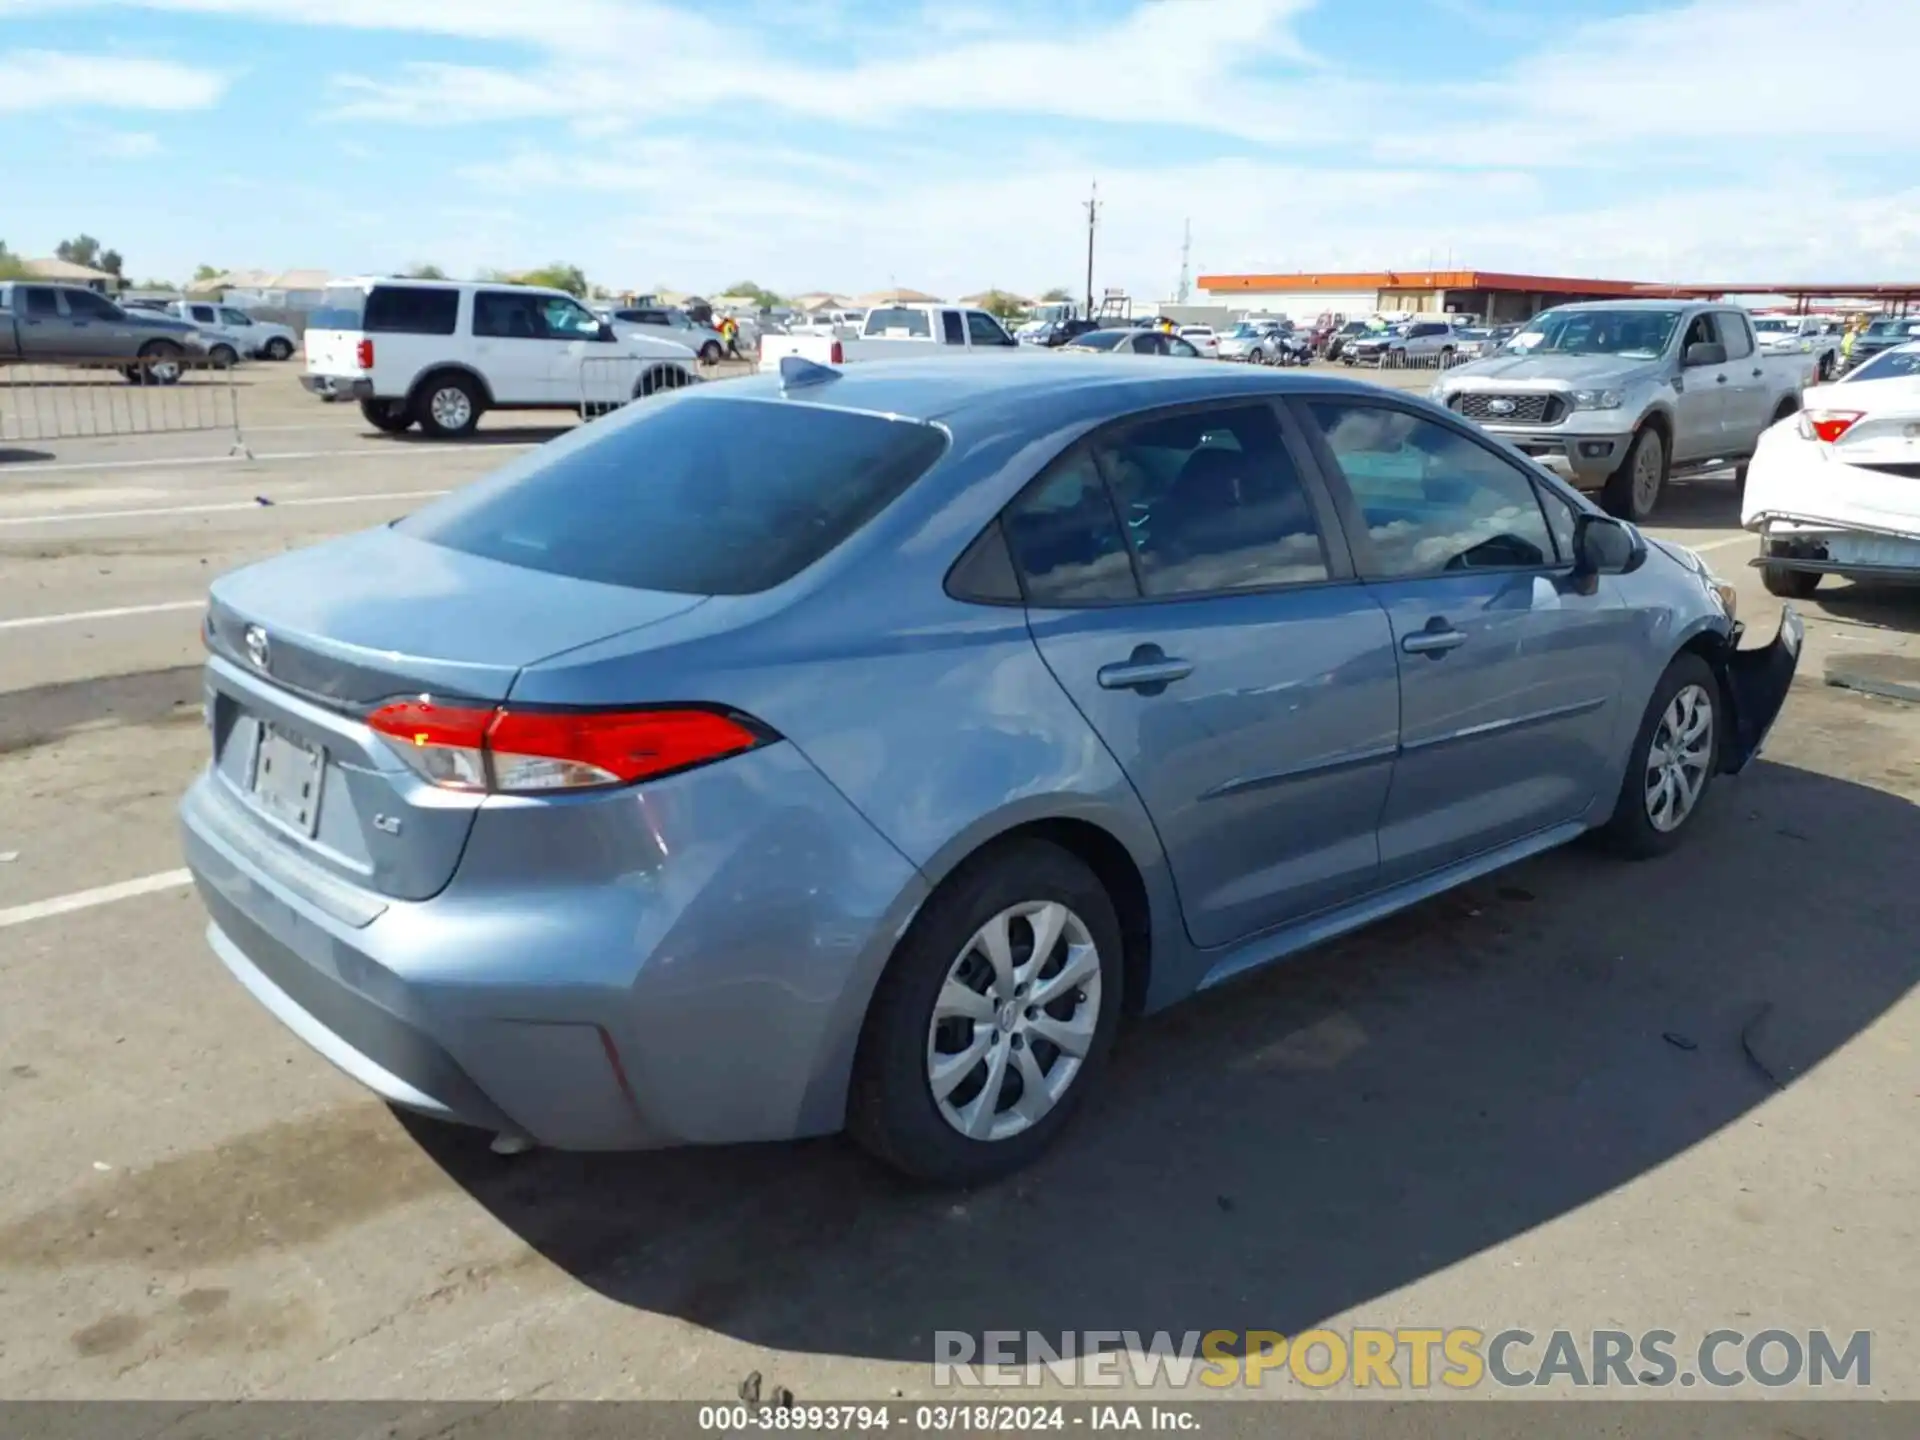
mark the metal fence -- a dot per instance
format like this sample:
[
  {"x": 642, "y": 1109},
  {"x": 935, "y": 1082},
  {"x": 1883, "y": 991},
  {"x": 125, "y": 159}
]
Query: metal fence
[
  {"x": 1430, "y": 360},
  {"x": 155, "y": 395},
  {"x": 609, "y": 381}
]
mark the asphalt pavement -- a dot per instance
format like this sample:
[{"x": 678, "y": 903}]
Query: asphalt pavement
[{"x": 1579, "y": 1094}]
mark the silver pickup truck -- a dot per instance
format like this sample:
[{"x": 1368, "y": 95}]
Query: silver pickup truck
[
  {"x": 43, "y": 324},
  {"x": 1619, "y": 395}
]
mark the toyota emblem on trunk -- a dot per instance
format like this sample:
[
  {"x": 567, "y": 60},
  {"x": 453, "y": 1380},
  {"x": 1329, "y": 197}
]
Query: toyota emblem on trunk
[
  {"x": 258, "y": 651},
  {"x": 1499, "y": 407}
]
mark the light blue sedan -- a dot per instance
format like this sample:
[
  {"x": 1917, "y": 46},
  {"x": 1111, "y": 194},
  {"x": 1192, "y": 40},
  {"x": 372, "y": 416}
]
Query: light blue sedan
[{"x": 828, "y": 750}]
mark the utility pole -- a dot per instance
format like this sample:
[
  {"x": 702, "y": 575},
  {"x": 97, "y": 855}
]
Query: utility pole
[
  {"x": 1186, "y": 266},
  {"x": 1093, "y": 220}
]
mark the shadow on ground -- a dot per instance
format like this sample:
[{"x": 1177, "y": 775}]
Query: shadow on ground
[
  {"x": 12, "y": 456},
  {"x": 1313, "y": 1137},
  {"x": 1703, "y": 502},
  {"x": 501, "y": 435}
]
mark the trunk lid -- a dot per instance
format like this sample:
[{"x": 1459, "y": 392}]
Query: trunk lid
[{"x": 305, "y": 645}]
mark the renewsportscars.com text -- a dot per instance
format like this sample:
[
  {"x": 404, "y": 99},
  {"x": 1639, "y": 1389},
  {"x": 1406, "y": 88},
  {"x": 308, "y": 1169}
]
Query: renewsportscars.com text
[{"x": 1459, "y": 1358}]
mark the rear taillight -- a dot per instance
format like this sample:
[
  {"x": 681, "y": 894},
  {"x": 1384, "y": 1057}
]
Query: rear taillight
[
  {"x": 363, "y": 354},
  {"x": 1827, "y": 425},
  {"x": 837, "y": 355},
  {"x": 511, "y": 751}
]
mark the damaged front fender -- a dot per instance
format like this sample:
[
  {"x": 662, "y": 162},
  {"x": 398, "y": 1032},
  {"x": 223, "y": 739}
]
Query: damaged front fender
[{"x": 1755, "y": 683}]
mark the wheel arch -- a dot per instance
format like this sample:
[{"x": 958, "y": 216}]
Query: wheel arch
[{"x": 446, "y": 367}]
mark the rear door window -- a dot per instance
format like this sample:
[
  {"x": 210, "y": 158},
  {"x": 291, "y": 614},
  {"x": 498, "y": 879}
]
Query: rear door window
[
  {"x": 410, "y": 310},
  {"x": 679, "y": 495},
  {"x": 508, "y": 315},
  {"x": 40, "y": 301},
  {"x": 951, "y": 330}
]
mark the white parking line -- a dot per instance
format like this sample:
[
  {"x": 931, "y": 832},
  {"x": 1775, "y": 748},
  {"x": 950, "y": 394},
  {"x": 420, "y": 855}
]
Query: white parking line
[
  {"x": 63, "y": 516},
  {"x": 74, "y": 617},
  {"x": 1721, "y": 544},
  {"x": 369, "y": 453},
  {"x": 100, "y": 895}
]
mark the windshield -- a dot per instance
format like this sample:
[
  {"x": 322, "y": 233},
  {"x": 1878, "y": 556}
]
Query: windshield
[
  {"x": 1099, "y": 340},
  {"x": 1900, "y": 363},
  {"x": 1244, "y": 332},
  {"x": 1773, "y": 325},
  {"x": 1885, "y": 328},
  {"x": 1633, "y": 334}
]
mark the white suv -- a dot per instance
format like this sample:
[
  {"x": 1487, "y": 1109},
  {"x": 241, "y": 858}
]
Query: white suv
[
  {"x": 231, "y": 332},
  {"x": 443, "y": 352}
]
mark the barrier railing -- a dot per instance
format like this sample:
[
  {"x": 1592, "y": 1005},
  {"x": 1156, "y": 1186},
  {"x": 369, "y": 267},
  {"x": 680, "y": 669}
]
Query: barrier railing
[
  {"x": 154, "y": 395},
  {"x": 608, "y": 382},
  {"x": 1430, "y": 360}
]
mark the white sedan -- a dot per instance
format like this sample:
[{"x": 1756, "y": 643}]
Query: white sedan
[
  {"x": 1203, "y": 339},
  {"x": 1835, "y": 490}
]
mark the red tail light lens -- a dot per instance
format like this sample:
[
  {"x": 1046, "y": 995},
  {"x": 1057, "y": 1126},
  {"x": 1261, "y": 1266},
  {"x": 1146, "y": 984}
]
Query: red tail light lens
[
  {"x": 837, "y": 355},
  {"x": 363, "y": 354},
  {"x": 1827, "y": 425},
  {"x": 519, "y": 752}
]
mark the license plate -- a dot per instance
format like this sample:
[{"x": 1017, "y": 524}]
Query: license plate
[{"x": 286, "y": 780}]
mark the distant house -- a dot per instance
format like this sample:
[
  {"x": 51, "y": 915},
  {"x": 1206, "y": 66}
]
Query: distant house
[
  {"x": 900, "y": 296},
  {"x": 68, "y": 273},
  {"x": 819, "y": 300},
  {"x": 267, "y": 289}
]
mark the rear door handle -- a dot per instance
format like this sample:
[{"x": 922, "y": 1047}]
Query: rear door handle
[
  {"x": 1148, "y": 668},
  {"x": 1433, "y": 642},
  {"x": 1758, "y": 373}
]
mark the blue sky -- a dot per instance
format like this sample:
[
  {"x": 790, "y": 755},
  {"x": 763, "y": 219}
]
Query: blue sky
[{"x": 845, "y": 145}]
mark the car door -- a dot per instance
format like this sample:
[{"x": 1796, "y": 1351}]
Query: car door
[
  {"x": 1702, "y": 396},
  {"x": 1188, "y": 586},
  {"x": 46, "y": 332},
  {"x": 1743, "y": 409},
  {"x": 510, "y": 341},
  {"x": 581, "y": 356},
  {"x": 1510, "y": 668},
  {"x": 97, "y": 329}
]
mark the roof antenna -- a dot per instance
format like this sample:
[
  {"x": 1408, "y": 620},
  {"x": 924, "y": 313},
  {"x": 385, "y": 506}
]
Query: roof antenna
[{"x": 797, "y": 372}]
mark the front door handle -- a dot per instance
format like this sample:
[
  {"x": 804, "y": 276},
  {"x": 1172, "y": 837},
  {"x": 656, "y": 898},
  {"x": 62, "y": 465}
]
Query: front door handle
[
  {"x": 1149, "y": 669},
  {"x": 1758, "y": 373},
  {"x": 1720, "y": 379},
  {"x": 1436, "y": 640}
]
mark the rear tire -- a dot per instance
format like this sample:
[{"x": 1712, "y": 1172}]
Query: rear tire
[
  {"x": 1790, "y": 584},
  {"x": 710, "y": 353},
  {"x": 661, "y": 377},
  {"x": 913, "y": 1024},
  {"x": 448, "y": 407},
  {"x": 1643, "y": 824},
  {"x": 1633, "y": 491},
  {"x": 392, "y": 416},
  {"x": 223, "y": 357}
]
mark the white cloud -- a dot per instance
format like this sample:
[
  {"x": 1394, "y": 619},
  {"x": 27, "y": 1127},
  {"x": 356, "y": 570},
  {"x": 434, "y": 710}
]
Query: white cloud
[{"x": 55, "y": 79}]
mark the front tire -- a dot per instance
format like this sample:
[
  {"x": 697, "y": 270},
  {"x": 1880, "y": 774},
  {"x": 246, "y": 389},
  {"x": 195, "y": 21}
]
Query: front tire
[
  {"x": 993, "y": 1021},
  {"x": 448, "y": 407},
  {"x": 1675, "y": 756},
  {"x": 161, "y": 363},
  {"x": 710, "y": 353},
  {"x": 279, "y": 348},
  {"x": 1633, "y": 490}
]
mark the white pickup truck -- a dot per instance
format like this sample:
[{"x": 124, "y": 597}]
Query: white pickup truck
[{"x": 896, "y": 332}]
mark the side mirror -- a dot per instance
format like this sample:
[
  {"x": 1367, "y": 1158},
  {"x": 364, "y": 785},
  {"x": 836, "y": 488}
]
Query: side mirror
[
  {"x": 606, "y": 331},
  {"x": 1706, "y": 352},
  {"x": 1604, "y": 546}
]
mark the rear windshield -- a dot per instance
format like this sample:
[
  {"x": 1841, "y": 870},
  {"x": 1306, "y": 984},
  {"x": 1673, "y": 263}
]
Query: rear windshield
[
  {"x": 340, "y": 308},
  {"x": 692, "y": 495},
  {"x": 896, "y": 322}
]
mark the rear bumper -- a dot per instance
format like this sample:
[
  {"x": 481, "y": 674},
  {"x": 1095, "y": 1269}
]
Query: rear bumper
[
  {"x": 338, "y": 387},
  {"x": 712, "y": 998}
]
